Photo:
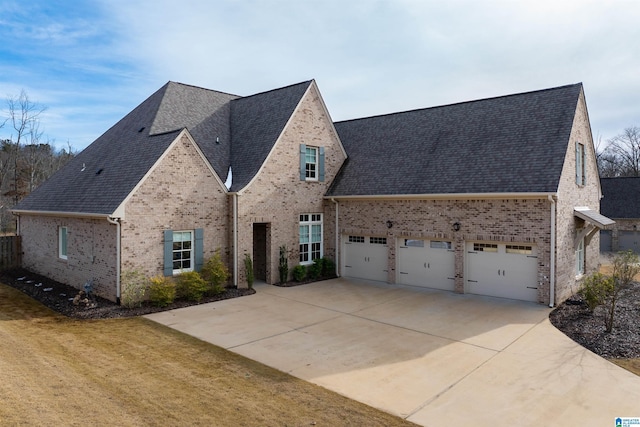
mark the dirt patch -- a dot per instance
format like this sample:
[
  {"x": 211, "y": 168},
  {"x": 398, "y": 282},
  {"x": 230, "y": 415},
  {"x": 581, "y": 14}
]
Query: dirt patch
[
  {"x": 587, "y": 329},
  {"x": 59, "y": 297}
]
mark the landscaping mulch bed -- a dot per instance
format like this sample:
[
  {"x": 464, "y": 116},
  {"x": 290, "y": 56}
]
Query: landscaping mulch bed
[
  {"x": 587, "y": 329},
  {"x": 59, "y": 297}
]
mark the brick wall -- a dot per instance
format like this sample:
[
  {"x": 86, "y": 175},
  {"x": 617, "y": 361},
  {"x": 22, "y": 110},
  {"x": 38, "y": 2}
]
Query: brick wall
[
  {"x": 504, "y": 220},
  {"x": 91, "y": 251},
  {"x": 571, "y": 195},
  {"x": 277, "y": 196},
  {"x": 181, "y": 193}
]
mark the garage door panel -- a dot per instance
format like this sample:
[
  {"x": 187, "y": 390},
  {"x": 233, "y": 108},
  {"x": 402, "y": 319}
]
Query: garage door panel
[
  {"x": 364, "y": 259},
  {"x": 426, "y": 263},
  {"x": 629, "y": 240},
  {"x": 502, "y": 270}
]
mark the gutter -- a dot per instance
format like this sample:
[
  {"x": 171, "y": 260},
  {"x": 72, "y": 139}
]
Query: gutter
[
  {"x": 337, "y": 263},
  {"x": 552, "y": 262},
  {"x": 116, "y": 221},
  {"x": 60, "y": 214},
  {"x": 447, "y": 196}
]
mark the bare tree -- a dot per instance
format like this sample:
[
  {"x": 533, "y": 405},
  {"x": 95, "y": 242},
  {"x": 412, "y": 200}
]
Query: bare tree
[
  {"x": 624, "y": 150},
  {"x": 24, "y": 117}
]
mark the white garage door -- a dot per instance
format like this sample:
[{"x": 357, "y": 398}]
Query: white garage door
[
  {"x": 426, "y": 263},
  {"x": 365, "y": 257},
  {"x": 502, "y": 270}
]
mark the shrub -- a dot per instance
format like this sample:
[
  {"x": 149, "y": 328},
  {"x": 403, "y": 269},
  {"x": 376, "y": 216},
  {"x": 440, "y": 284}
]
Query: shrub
[
  {"x": 315, "y": 270},
  {"x": 215, "y": 273},
  {"x": 328, "y": 267},
  {"x": 248, "y": 270},
  {"x": 191, "y": 286},
  {"x": 595, "y": 289},
  {"x": 133, "y": 288},
  {"x": 162, "y": 291},
  {"x": 299, "y": 273},
  {"x": 283, "y": 266}
]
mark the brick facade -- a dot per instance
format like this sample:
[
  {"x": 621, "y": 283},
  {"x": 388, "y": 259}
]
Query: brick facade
[
  {"x": 180, "y": 193},
  {"x": 501, "y": 220},
  {"x": 91, "y": 251},
  {"x": 276, "y": 197},
  {"x": 571, "y": 195}
]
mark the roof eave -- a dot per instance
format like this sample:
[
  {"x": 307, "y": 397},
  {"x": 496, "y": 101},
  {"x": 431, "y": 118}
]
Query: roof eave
[
  {"x": 60, "y": 213},
  {"x": 450, "y": 196}
]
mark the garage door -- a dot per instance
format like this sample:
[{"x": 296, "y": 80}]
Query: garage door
[
  {"x": 366, "y": 257},
  {"x": 605, "y": 241},
  {"x": 426, "y": 263},
  {"x": 502, "y": 270},
  {"x": 629, "y": 240}
]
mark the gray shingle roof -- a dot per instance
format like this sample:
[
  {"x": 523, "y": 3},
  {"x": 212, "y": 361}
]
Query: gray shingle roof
[
  {"x": 256, "y": 122},
  {"x": 123, "y": 155},
  {"x": 621, "y": 197},
  {"x": 509, "y": 144}
]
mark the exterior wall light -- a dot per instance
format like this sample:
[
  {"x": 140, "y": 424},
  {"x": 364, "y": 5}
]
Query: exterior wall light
[
  {"x": 389, "y": 224},
  {"x": 456, "y": 226}
]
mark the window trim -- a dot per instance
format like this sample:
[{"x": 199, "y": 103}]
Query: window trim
[
  {"x": 580, "y": 259},
  {"x": 63, "y": 242},
  {"x": 581, "y": 170},
  {"x": 307, "y": 163},
  {"x": 308, "y": 220},
  {"x": 319, "y": 163},
  {"x": 191, "y": 251}
]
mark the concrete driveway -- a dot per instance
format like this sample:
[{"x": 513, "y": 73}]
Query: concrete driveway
[{"x": 434, "y": 358}]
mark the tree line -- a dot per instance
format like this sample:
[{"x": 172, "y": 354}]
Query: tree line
[
  {"x": 26, "y": 158},
  {"x": 620, "y": 156}
]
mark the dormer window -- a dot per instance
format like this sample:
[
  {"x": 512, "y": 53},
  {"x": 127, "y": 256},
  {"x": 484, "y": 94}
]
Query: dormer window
[{"x": 311, "y": 163}]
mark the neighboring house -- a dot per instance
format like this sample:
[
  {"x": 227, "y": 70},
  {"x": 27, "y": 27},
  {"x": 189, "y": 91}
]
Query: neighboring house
[
  {"x": 621, "y": 202},
  {"x": 495, "y": 197}
]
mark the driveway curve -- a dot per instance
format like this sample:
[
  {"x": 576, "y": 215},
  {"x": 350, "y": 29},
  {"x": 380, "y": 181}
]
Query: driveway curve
[{"x": 432, "y": 357}]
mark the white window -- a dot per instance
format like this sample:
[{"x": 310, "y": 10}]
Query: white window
[
  {"x": 580, "y": 259},
  {"x": 581, "y": 178},
  {"x": 435, "y": 244},
  {"x": 62, "y": 242},
  {"x": 378, "y": 240},
  {"x": 356, "y": 239},
  {"x": 311, "y": 163},
  {"x": 310, "y": 238},
  {"x": 182, "y": 251},
  {"x": 485, "y": 247}
]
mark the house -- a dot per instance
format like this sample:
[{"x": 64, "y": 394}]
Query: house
[
  {"x": 621, "y": 202},
  {"x": 496, "y": 197}
]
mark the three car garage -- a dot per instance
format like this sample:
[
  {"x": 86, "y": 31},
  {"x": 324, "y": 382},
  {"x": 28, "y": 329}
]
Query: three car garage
[{"x": 498, "y": 269}]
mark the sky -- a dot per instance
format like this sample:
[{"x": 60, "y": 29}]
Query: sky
[{"x": 90, "y": 62}]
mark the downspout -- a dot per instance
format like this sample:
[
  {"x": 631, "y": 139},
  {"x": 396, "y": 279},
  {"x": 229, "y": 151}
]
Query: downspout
[
  {"x": 116, "y": 221},
  {"x": 235, "y": 240},
  {"x": 552, "y": 262},
  {"x": 337, "y": 238}
]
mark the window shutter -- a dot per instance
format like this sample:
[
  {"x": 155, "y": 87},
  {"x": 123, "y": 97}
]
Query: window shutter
[
  {"x": 303, "y": 162},
  {"x": 321, "y": 163},
  {"x": 168, "y": 253},
  {"x": 199, "y": 249}
]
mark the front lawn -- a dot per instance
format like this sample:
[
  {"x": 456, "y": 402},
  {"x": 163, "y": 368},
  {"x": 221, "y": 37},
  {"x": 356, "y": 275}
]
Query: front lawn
[{"x": 125, "y": 372}]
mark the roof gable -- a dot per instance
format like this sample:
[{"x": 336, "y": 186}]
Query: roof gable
[
  {"x": 621, "y": 197},
  {"x": 256, "y": 124},
  {"x": 509, "y": 144}
]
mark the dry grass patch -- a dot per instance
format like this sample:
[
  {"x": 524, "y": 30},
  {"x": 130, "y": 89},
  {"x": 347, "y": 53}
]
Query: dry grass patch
[
  {"x": 631, "y": 365},
  {"x": 59, "y": 371}
]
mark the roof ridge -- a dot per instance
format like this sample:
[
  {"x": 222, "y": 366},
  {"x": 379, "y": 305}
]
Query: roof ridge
[
  {"x": 274, "y": 90},
  {"x": 203, "y": 88},
  {"x": 462, "y": 103}
]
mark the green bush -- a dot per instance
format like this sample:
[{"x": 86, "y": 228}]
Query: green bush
[
  {"x": 315, "y": 270},
  {"x": 299, "y": 273},
  {"x": 328, "y": 267},
  {"x": 133, "y": 288},
  {"x": 248, "y": 270},
  {"x": 595, "y": 289},
  {"x": 191, "y": 286},
  {"x": 283, "y": 266},
  {"x": 162, "y": 291},
  {"x": 215, "y": 274}
]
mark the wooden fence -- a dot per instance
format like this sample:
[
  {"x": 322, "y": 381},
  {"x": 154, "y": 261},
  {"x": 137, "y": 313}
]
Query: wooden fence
[{"x": 10, "y": 252}]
